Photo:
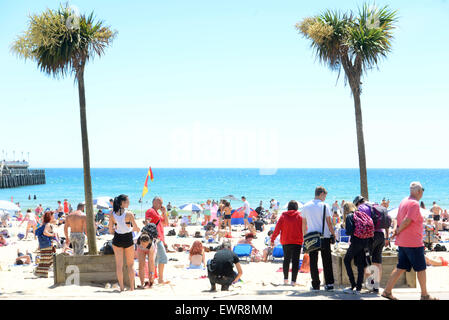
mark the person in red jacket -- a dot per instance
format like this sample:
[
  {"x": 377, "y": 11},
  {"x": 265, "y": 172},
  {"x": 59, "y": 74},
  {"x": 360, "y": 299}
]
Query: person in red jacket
[{"x": 291, "y": 227}]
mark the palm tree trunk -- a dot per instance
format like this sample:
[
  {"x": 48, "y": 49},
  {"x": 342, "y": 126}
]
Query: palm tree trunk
[
  {"x": 360, "y": 143},
  {"x": 90, "y": 224}
]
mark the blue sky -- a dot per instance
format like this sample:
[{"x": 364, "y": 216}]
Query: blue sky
[{"x": 228, "y": 84}]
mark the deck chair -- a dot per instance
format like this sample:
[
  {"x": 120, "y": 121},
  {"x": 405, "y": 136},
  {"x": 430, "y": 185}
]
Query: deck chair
[
  {"x": 194, "y": 218},
  {"x": 243, "y": 251},
  {"x": 342, "y": 236},
  {"x": 278, "y": 252}
]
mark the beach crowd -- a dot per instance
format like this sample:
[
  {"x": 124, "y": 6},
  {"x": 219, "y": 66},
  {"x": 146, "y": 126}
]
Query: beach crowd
[{"x": 312, "y": 229}]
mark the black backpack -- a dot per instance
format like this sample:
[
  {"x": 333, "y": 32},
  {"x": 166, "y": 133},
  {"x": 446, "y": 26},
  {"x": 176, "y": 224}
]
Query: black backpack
[
  {"x": 380, "y": 216},
  {"x": 171, "y": 232},
  {"x": 107, "y": 248},
  {"x": 151, "y": 230}
]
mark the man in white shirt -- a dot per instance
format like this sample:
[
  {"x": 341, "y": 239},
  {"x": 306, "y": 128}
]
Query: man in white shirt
[
  {"x": 246, "y": 211},
  {"x": 313, "y": 213}
]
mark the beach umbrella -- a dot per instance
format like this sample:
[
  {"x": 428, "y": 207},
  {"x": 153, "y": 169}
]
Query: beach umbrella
[
  {"x": 102, "y": 202},
  {"x": 230, "y": 197},
  {"x": 8, "y": 206},
  {"x": 393, "y": 213},
  {"x": 190, "y": 207},
  {"x": 239, "y": 213}
]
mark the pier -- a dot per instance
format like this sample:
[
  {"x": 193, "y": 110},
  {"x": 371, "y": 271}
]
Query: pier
[{"x": 15, "y": 174}]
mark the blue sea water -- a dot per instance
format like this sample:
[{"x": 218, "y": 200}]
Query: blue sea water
[{"x": 181, "y": 186}]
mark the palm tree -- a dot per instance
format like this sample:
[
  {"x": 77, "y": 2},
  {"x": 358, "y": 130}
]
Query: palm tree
[
  {"x": 62, "y": 43},
  {"x": 356, "y": 43}
]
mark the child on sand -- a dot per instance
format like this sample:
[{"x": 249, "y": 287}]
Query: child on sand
[{"x": 183, "y": 233}]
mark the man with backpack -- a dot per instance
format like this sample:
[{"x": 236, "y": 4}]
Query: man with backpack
[{"x": 381, "y": 222}]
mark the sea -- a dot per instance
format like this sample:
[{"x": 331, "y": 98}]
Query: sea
[{"x": 179, "y": 186}]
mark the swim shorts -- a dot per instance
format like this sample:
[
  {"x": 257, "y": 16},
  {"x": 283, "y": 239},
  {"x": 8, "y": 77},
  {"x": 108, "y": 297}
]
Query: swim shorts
[
  {"x": 77, "y": 239},
  {"x": 411, "y": 257},
  {"x": 161, "y": 255}
]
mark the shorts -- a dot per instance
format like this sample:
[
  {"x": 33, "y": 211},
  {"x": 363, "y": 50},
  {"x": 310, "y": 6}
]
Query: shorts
[
  {"x": 227, "y": 217},
  {"x": 377, "y": 247},
  {"x": 60, "y": 214},
  {"x": 77, "y": 239},
  {"x": 411, "y": 257},
  {"x": 206, "y": 212},
  {"x": 161, "y": 255},
  {"x": 245, "y": 215},
  {"x": 436, "y": 217},
  {"x": 218, "y": 214},
  {"x": 124, "y": 240}
]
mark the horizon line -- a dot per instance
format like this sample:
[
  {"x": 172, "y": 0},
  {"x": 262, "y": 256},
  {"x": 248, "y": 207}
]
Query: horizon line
[{"x": 255, "y": 168}]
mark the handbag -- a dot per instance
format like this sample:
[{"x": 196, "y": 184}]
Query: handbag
[{"x": 312, "y": 240}]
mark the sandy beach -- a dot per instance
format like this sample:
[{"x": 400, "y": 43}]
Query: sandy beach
[{"x": 259, "y": 281}]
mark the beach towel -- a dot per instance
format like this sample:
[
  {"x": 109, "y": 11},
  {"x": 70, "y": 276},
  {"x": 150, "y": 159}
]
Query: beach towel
[{"x": 305, "y": 266}]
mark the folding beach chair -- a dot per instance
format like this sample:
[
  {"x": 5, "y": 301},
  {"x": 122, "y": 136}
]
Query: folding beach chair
[
  {"x": 278, "y": 252},
  {"x": 243, "y": 250},
  {"x": 342, "y": 236},
  {"x": 194, "y": 218}
]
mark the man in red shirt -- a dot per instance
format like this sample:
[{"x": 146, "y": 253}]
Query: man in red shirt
[
  {"x": 160, "y": 220},
  {"x": 409, "y": 239}
]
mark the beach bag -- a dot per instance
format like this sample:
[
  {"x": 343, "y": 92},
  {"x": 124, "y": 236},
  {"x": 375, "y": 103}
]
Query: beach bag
[
  {"x": 312, "y": 240},
  {"x": 363, "y": 225},
  {"x": 40, "y": 231},
  {"x": 171, "y": 232},
  {"x": 107, "y": 248},
  {"x": 379, "y": 214},
  {"x": 197, "y": 234}
]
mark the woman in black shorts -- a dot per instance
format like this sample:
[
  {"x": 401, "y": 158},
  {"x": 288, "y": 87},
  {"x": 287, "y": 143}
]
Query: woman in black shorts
[{"x": 122, "y": 225}]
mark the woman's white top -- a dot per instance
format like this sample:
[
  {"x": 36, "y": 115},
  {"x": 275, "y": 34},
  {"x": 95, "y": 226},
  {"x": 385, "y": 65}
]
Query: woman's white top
[{"x": 121, "y": 227}]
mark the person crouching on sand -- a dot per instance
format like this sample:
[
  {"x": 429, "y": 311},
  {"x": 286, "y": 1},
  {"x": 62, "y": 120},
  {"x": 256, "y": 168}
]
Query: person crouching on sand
[
  {"x": 121, "y": 225},
  {"x": 220, "y": 269}
]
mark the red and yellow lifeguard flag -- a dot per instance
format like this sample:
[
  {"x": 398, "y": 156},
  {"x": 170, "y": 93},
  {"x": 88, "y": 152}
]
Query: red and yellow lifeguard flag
[{"x": 145, "y": 186}]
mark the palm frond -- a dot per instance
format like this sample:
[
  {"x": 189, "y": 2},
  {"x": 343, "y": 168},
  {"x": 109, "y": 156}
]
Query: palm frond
[{"x": 59, "y": 49}]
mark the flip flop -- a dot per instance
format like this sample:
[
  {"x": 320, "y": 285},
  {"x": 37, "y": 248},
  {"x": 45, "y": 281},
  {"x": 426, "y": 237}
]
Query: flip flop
[
  {"x": 388, "y": 296},
  {"x": 428, "y": 297}
]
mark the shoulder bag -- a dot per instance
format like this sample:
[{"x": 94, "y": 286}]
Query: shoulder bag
[{"x": 312, "y": 240}]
